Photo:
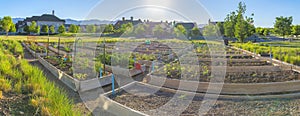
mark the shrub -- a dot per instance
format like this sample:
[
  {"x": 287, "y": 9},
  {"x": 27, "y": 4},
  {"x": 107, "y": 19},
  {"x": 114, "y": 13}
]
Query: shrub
[
  {"x": 1, "y": 95},
  {"x": 18, "y": 87},
  {"x": 5, "y": 85}
]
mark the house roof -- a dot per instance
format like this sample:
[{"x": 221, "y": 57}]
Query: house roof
[
  {"x": 44, "y": 17},
  {"x": 121, "y": 22},
  {"x": 186, "y": 25}
]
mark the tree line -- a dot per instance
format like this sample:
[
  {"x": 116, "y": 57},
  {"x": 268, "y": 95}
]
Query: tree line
[{"x": 237, "y": 25}]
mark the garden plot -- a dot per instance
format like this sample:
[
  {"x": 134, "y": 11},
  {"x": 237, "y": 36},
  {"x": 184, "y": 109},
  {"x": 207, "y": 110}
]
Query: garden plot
[
  {"x": 81, "y": 73},
  {"x": 230, "y": 62},
  {"x": 34, "y": 48},
  {"x": 235, "y": 70},
  {"x": 143, "y": 99}
]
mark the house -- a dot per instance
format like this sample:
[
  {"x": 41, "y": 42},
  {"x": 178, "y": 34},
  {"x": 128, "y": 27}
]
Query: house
[
  {"x": 45, "y": 19},
  {"x": 215, "y": 22},
  {"x": 188, "y": 26},
  {"x": 119, "y": 23}
]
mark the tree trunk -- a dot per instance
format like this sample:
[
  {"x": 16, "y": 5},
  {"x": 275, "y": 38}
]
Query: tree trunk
[{"x": 6, "y": 34}]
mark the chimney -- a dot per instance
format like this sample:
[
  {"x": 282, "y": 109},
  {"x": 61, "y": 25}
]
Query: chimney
[
  {"x": 123, "y": 18},
  {"x": 131, "y": 18},
  {"x": 52, "y": 12}
]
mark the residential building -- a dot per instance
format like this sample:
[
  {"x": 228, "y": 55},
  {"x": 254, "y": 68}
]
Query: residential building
[{"x": 45, "y": 19}]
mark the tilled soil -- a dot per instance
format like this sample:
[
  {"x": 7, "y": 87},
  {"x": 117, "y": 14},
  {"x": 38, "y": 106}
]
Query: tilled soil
[
  {"x": 251, "y": 77},
  {"x": 220, "y": 107}
]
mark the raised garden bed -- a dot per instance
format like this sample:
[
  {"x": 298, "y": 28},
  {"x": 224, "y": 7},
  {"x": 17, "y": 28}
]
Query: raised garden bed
[
  {"x": 260, "y": 78},
  {"x": 146, "y": 99}
]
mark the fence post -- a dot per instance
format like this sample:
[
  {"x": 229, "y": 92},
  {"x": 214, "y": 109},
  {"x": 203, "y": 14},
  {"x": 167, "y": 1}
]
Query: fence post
[
  {"x": 271, "y": 53},
  {"x": 100, "y": 72},
  {"x": 113, "y": 84},
  {"x": 153, "y": 64}
]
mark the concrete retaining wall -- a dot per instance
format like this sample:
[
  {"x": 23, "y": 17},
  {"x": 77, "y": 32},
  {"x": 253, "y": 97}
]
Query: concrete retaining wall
[
  {"x": 116, "y": 108},
  {"x": 95, "y": 83},
  {"x": 228, "y": 88},
  {"x": 66, "y": 79}
]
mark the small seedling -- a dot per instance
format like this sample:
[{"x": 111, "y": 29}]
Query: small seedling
[{"x": 182, "y": 96}]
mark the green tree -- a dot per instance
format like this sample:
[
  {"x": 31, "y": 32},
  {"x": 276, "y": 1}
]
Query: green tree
[
  {"x": 229, "y": 24},
  {"x": 242, "y": 27},
  {"x": 195, "y": 32},
  {"x": 210, "y": 30},
  {"x": 73, "y": 28},
  {"x": 259, "y": 31},
  {"x": 52, "y": 29},
  {"x": 13, "y": 28},
  {"x": 180, "y": 31},
  {"x": 45, "y": 29},
  {"x": 32, "y": 27},
  {"x": 236, "y": 25},
  {"x": 6, "y": 24},
  {"x": 126, "y": 29},
  {"x": 91, "y": 29},
  {"x": 61, "y": 29},
  {"x": 296, "y": 30},
  {"x": 26, "y": 29},
  {"x": 282, "y": 25},
  {"x": 221, "y": 28},
  {"x": 37, "y": 29},
  {"x": 100, "y": 29},
  {"x": 140, "y": 30},
  {"x": 158, "y": 31},
  {"x": 241, "y": 30},
  {"x": 109, "y": 28},
  {"x": 78, "y": 29},
  {"x": 266, "y": 31}
]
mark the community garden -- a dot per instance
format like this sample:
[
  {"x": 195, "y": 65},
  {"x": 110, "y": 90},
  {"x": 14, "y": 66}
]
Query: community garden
[{"x": 177, "y": 69}]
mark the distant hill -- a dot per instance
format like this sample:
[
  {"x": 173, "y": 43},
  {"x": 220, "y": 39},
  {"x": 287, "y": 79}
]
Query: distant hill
[
  {"x": 88, "y": 22},
  {"x": 15, "y": 20},
  {"x": 76, "y": 22}
]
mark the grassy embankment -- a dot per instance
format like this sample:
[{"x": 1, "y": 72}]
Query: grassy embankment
[{"x": 19, "y": 77}]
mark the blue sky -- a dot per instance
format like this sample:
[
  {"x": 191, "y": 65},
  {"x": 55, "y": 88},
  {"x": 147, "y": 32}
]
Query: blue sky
[{"x": 186, "y": 10}]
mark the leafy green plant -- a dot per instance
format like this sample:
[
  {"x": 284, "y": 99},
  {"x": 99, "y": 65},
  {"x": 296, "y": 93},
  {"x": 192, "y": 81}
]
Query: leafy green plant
[
  {"x": 205, "y": 70},
  {"x": 80, "y": 75}
]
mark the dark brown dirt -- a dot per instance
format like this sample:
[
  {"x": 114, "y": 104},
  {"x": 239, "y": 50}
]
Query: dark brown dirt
[
  {"x": 221, "y": 107},
  {"x": 16, "y": 104}
]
